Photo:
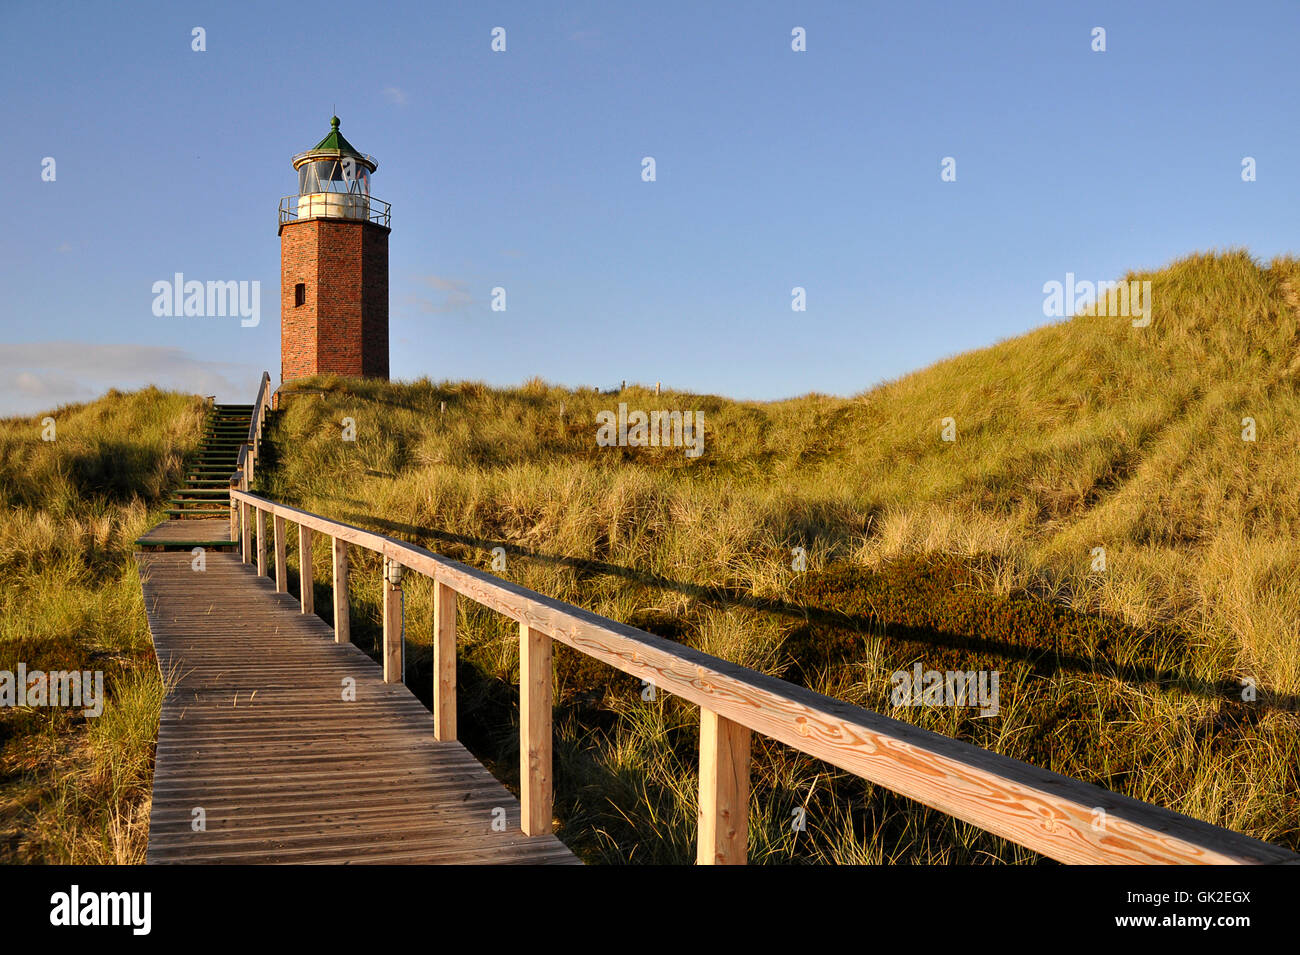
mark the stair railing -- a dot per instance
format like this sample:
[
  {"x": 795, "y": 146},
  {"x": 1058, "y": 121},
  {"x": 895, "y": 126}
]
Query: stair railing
[{"x": 249, "y": 451}]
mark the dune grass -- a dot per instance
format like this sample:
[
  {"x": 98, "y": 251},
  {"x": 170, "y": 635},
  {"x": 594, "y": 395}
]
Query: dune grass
[
  {"x": 1123, "y": 666},
  {"x": 75, "y": 789},
  {"x": 1098, "y": 531}
]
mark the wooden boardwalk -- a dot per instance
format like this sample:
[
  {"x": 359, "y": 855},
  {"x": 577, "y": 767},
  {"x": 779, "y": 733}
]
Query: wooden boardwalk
[
  {"x": 197, "y": 532},
  {"x": 258, "y": 742}
]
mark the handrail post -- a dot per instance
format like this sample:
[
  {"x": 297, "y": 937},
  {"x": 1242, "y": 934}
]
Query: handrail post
[
  {"x": 281, "y": 560},
  {"x": 306, "y": 594},
  {"x": 724, "y": 790},
  {"x": 444, "y": 662},
  {"x": 261, "y": 542},
  {"x": 535, "y": 678},
  {"x": 342, "y": 620},
  {"x": 392, "y": 587},
  {"x": 234, "y": 509},
  {"x": 246, "y": 526}
]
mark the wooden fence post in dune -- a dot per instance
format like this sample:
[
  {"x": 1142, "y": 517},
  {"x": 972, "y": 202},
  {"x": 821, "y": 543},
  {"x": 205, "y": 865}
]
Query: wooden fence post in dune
[
  {"x": 444, "y": 662},
  {"x": 261, "y": 542},
  {"x": 534, "y": 731},
  {"x": 724, "y": 790},
  {"x": 342, "y": 621},
  {"x": 305, "y": 581},
  {"x": 392, "y": 585},
  {"x": 281, "y": 560},
  {"x": 246, "y": 525}
]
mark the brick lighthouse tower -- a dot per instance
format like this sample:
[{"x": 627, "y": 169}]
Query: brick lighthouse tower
[{"x": 333, "y": 266}]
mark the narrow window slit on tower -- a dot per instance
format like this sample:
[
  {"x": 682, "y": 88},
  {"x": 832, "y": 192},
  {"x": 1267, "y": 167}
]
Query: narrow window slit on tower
[{"x": 299, "y": 294}]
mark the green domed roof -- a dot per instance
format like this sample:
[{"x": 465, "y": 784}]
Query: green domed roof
[
  {"x": 334, "y": 146},
  {"x": 335, "y": 140}
]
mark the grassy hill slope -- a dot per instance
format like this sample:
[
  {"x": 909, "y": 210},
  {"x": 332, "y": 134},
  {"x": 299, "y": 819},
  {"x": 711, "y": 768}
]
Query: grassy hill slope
[
  {"x": 76, "y": 789},
  {"x": 1086, "y": 434}
]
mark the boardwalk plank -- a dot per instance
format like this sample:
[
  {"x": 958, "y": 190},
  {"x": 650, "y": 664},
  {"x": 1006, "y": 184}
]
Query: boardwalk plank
[
  {"x": 255, "y": 730},
  {"x": 194, "y": 532}
]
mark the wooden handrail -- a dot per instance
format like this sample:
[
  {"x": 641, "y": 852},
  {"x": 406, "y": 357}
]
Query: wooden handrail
[
  {"x": 248, "y": 451},
  {"x": 246, "y": 463},
  {"x": 1063, "y": 818}
]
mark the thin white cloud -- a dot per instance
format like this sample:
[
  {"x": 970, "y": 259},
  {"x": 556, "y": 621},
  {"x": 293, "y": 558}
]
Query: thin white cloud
[
  {"x": 455, "y": 295},
  {"x": 47, "y": 386},
  {"x": 442, "y": 283},
  {"x": 40, "y": 376},
  {"x": 395, "y": 95}
]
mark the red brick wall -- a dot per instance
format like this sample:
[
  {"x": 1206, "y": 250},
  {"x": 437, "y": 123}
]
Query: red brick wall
[
  {"x": 297, "y": 325},
  {"x": 374, "y": 302},
  {"x": 342, "y": 326}
]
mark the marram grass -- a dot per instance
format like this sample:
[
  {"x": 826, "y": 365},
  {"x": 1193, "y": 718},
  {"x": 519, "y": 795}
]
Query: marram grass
[
  {"x": 75, "y": 789},
  {"x": 1101, "y": 531}
]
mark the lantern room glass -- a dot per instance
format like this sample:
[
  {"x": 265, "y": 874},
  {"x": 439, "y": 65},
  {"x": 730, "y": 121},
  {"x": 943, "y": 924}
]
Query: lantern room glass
[{"x": 345, "y": 175}]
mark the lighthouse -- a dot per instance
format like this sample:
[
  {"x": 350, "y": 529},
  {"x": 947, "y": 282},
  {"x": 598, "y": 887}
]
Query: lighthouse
[{"x": 333, "y": 266}]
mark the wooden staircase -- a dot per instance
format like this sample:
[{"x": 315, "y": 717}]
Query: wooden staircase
[
  {"x": 199, "y": 514},
  {"x": 206, "y": 492}
]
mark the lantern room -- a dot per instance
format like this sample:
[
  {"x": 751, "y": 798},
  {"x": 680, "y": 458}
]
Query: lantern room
[{"x": 334, "y": 183}]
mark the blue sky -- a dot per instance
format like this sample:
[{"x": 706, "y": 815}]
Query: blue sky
[{"x": 522, "y": 169}]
